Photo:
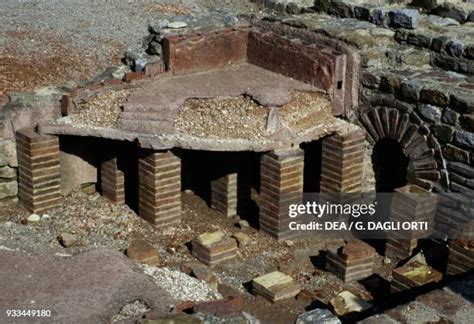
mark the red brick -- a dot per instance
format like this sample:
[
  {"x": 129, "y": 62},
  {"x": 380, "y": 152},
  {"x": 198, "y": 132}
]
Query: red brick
[
  {"x": 160, "y": 191},
  {"x": 281, "y": 185},
  {"x": 39, "y": 175},
  {"x": 201, "y": 52},
  {"x": 132, "y": 76}
]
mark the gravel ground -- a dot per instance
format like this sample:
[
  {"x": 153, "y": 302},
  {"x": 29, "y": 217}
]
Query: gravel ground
[
  {"x": 130, "y": 310},
  {"x": 180, "y": 285},
  {"x": 231, "y": 117},
  {"x": 47, "y": 42},
  {"x": 102, "y": 109}
]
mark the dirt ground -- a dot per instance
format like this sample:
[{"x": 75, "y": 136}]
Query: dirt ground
[{"x": 42, "y": 43}]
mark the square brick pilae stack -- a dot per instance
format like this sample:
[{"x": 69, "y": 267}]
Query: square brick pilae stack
[
  {"x": 214, "y": 248},
  {"x": 354, "y": 261},
  {"x": 413, "y": 275},
  {"x": 160, "y": 188},
  {"x": 112, "y": 181},
  {"x": 224, "y": 194},
  {"x": 342, "y": 165},
  {"x": 461, "y": 251},
  {"x": 281, "y": 185},
  {"x": 410, "y": 203},
  {"x": 461, "y": 256},
  {"x": 275, "y": 286},
  {"x": 38, "y": 170}
]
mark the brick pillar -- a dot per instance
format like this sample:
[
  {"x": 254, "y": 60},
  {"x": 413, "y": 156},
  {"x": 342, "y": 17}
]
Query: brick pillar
[
  {"x": 112, "y": 181},
  {"x": 281, "y": 184},
  {"x": 224, "y": 194},
  {"x": 38, "y": 170},
  {"x": 342, "y": 163},
  {"x": 160, "y": 188},
  {"x": 410, "y": 203}
]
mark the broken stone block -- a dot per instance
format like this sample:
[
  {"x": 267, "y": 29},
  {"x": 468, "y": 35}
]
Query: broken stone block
[
  {"x": 346, "y": 303},
  {"x": 318, "y": 315},
  {"x": 214, "y": 248},
  {"x": 67, "y": 239},
  {"x": 412, "y": 275},
  {"x": 201, "y": 272},
  {"x": 242, "y": 239},
  {"x": 143, "y": 252},
  {"x": 305, "y": 297},
  {"x": 275, "y": 286},
  {"x": 354, "y": 261}
]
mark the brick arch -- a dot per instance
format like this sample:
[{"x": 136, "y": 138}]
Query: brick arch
[{"x": 427, "y": 166}]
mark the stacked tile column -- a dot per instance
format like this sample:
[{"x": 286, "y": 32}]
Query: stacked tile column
[
  {"x": 112, "y": 181},
  {"x": 39, "y": 171},
  {"x": 281, "y": 184},
  {"x": 342, "y": 163},
  {"x": 160, "y": 187},
  {"x": 224, "y": 194}
]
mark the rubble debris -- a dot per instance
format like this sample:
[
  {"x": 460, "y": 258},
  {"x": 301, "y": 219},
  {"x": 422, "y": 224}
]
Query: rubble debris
[
  {"x": 201, "y": 272},
  {"x": 275, "y": 286},
  {"x": 243, "y": 223},
  {"x": 346, "y": 303},
  {"x": 213, "y": 248},
  {"x": 352, "y": 262},
  {"x": 101, "y": 109},
  {"x": 143, "y": 252},
  {"x": 305, "y": 297},
  {"x": 242, "y": 239}
]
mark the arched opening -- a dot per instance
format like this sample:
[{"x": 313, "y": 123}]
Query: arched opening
[{"x": 390, "y": 165}]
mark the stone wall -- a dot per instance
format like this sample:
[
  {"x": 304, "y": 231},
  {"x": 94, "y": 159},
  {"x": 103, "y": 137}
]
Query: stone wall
[
  {"x": 8, "y": 169},
  {"x": 416, "y": 82},
  {"x": 22, "y": 110}
]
